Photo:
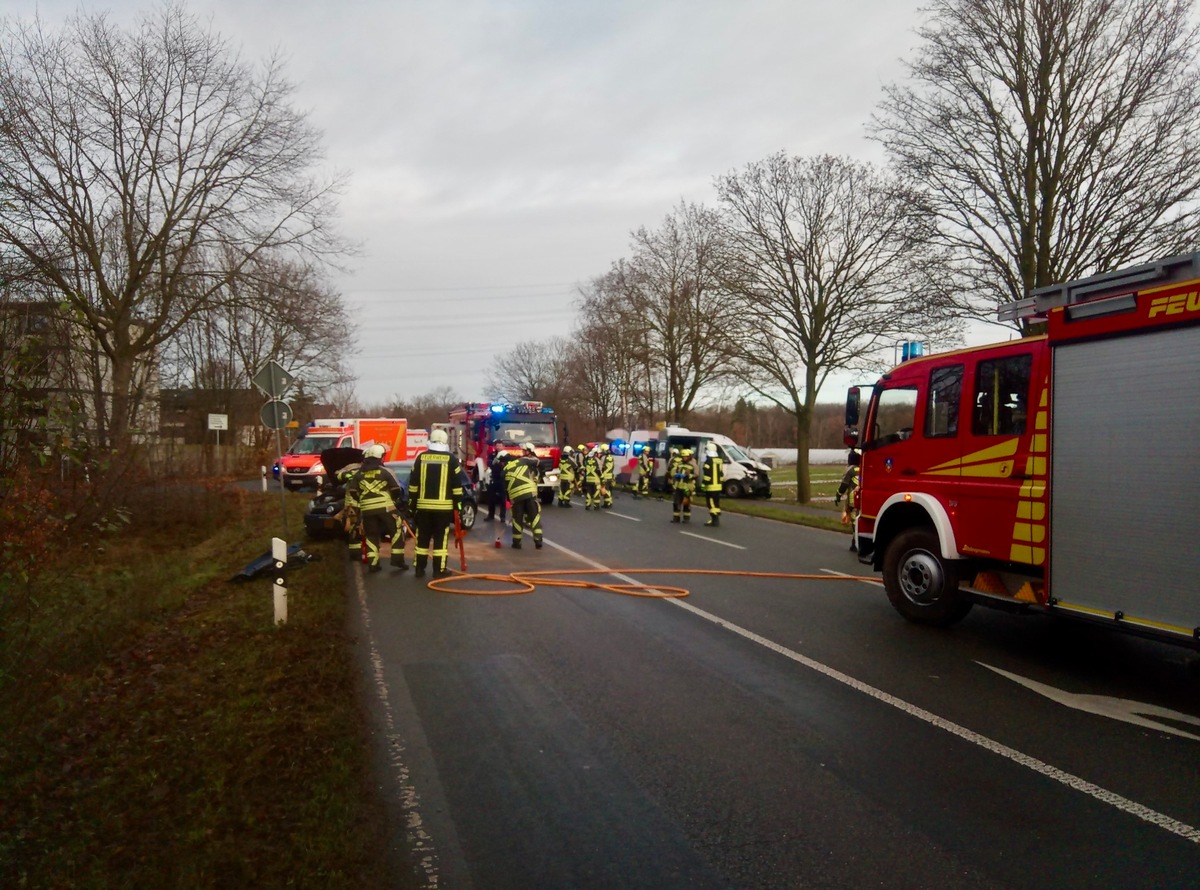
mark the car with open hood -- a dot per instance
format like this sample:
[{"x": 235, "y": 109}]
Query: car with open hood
[{"x": 324, "y": 514}]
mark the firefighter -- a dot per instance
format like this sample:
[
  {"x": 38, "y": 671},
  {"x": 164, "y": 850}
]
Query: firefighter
[
  {"x": 374, "y": 489},
  {"x": 580, "y": 456},
  {"x": 591, "y": 480},
  {"x": 521, "y": 475},
  {"x": 496, "y": 496},
  {"x": 607, "y": 467},
  {"x": 711, "y": 479},
  {"x": 849, "y": 490},
  {"x": 351, "y": 520},
  {"x": 645, "y": 465},
  {"x": 434, "y": 496},
  {"x": 685, "y": 484},
  {"x": 566, "y": 476}
]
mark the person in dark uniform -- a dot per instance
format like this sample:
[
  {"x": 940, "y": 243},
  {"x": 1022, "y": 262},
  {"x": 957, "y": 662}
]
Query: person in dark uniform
[
  {"x": 434, "y": 495},
  {"x": 496, "y": 488}
]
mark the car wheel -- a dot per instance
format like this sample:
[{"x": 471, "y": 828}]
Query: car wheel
[
  {"x": 921, "y": 585},
  {"x": 466, "y": 516},
  {"x": 732, "y": 489}
]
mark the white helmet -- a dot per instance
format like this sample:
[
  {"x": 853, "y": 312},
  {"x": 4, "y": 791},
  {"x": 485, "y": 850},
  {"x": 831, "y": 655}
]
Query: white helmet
[
  {"x": 374, "y": 451},
  {"x": 529, "y": 448},
  {"x": 710, "y": 449},
  {"x": 438, "y": 437}
]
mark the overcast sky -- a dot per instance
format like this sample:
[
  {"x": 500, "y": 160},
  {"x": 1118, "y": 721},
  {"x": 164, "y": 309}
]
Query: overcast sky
[{"x": 500, "y": 153}]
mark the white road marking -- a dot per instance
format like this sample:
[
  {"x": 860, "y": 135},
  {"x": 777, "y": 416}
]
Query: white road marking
[
  {"x": 713, "y": 540},
  {"x": 848, "y": 575},
  {"x": 1124, "y": 804},
  {"x": 422, "y": 842},
  {"x": 1124, "y": 709},
  {"x": 622, "y": 515}
]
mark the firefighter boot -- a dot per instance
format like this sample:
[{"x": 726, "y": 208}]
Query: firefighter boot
[
  {"x": 398, "y": 561},
  {"x": 419, "y": 567},
  {"x": 714, "y": 520}
]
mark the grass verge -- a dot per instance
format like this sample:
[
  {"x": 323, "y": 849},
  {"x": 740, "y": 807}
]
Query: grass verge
[{"x": 184, "y": 740}]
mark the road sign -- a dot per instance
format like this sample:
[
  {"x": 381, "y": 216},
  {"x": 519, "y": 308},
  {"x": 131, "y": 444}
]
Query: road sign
[
  {"x": 275, "y": 414},
  {"x": 218, "y": 421},
  {"x": 273, "y": 380}
]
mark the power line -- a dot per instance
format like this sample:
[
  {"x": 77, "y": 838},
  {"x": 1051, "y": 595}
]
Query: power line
[{"x": 424, "y": 290}]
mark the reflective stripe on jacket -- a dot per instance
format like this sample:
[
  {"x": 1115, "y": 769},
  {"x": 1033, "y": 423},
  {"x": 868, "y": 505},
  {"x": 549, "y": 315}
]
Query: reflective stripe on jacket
[
  {"x": 434, "y": 483},
  {"x": 371, "y": 488},
  {"x": 521, "y": 477},
  {"x": 714, "y": 474}
]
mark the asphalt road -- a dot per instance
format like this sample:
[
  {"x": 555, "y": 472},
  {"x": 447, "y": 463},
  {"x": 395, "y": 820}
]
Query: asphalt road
[{"x": 761, "y": 732}]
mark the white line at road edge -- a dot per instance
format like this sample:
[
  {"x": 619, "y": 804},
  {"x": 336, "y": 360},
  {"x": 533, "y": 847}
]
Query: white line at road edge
[
  {"x": 1124, "y": 804},
  {"x": 713, "y": 540},
  {"x": 410, "y": 801}
]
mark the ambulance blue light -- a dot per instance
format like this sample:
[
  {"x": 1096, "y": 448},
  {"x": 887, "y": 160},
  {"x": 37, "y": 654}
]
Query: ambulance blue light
[{"x": 497, "y": 409}]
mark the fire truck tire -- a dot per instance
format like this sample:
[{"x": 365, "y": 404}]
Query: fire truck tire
[{"x": 921, "y": 585}]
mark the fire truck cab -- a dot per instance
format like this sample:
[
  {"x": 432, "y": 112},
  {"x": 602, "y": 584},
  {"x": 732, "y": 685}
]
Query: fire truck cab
[
  {"x": 478, "y": 431},
  {"x": 1055, "y": 473}
]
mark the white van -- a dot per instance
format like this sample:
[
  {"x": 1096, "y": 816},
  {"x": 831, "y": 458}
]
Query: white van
[{"x": 745, "y": 476}]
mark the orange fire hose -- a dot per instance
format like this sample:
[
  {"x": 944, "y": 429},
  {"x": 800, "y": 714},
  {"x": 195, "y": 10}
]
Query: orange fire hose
[{"x": 527, "y": 582}]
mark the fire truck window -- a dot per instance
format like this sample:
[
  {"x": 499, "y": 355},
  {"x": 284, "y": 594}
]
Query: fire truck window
[
  {"x": 945, "y": 393},
  {"x": 894, "y": 416},
  {"x": 1001, "y": 396}
]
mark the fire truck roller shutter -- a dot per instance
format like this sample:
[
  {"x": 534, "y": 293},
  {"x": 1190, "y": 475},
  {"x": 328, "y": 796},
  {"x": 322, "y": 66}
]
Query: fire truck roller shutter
[{"x": 1125, "y": 466}]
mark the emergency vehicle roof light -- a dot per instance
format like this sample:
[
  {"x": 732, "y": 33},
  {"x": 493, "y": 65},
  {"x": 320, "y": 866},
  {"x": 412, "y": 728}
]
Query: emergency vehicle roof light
[{"x": 497, "y": 409}]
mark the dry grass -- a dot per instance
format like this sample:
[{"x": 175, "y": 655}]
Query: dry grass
[{"x": 160, "y": 731}]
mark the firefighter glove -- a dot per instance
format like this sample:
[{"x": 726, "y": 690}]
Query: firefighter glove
[{"x": 837, "y": 499}]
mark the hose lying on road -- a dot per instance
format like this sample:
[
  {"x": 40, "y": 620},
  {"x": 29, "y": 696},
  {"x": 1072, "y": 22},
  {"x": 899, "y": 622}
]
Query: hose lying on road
[{"x": 526, "y": 582}]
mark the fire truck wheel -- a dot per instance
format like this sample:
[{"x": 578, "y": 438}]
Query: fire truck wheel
[{"x": 921, "y": 585}]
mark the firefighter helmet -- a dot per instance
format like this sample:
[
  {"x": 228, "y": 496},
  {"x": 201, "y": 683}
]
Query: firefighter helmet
[
  {"x": 711, "y": 449},
  {"x": 438, "y": 437},
  {"x": 567, "y": 449},
  {"x": 374, "y": 451},
  {"x": 528, "y": 448},
  {"x": 687, "y": 452}
]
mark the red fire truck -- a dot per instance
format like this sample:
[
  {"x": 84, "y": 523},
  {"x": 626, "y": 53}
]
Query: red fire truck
[
  {"x": 1057, "y": 473},
  {"x": 478, "y": 431}
]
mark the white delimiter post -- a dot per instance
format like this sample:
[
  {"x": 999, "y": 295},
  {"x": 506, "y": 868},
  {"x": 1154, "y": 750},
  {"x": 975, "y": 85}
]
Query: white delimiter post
[
  {"x": 279, "y": 554},
  {"x": 264, "y": 479}
]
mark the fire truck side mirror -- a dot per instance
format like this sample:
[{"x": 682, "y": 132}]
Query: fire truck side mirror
[{"x": 850, "y": 434}]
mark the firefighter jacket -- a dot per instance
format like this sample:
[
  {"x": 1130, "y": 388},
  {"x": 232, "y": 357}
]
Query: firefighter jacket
[
  {"x": 521, "y": 476},
  {"x": 849, "y": 487},
  {"x": 591, "y": 469},
  {"x": 713, "y": 475},
  {"x": 608, "y": 465},
  {"x": 684, "y": 476},
  {"x": 646, "y": 463},
  {"x": 373, "y": 487},
  {"x": 436, "y": 482},
  {"x": 566, "y": 469}
]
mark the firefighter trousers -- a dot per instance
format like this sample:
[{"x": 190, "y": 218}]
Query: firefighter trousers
[
  {"x": 433, "y": 538},
  {"x": 526, "y": 514}
]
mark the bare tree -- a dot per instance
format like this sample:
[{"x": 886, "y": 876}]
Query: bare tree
[
  {"x": 1053, "y": 139},
  {"x": 129, "y": 159},
  {"x": 672, "y": 285},
  {"x": 614, "y": 381},
  {"x": 533, "y": 370},
  {"x": 827, "y": 265}
]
